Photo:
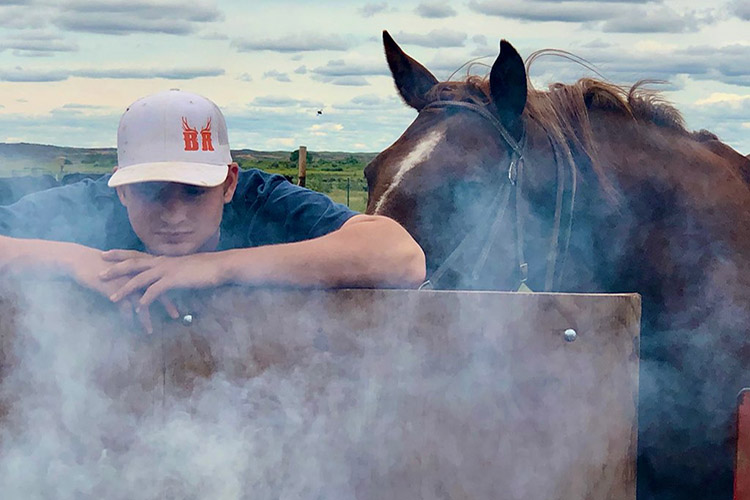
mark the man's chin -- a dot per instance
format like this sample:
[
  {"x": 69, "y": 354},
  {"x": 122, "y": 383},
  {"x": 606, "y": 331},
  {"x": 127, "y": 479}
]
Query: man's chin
[{"x": 173, "y": 249}]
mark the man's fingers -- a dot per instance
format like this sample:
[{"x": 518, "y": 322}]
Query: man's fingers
[
  {"x": 126, "y": 312},
  {"x": 118, "y": 255},
  {"x": 169, "y": 307},
  {"x": 144, "y": 316},
  {"x": 126, "y": 268},
  {"x": 138, "y": 282},
  {"x": 153, "y": 292}
]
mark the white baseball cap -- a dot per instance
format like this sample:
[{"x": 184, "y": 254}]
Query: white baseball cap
[{"x": 172, "y": 136}]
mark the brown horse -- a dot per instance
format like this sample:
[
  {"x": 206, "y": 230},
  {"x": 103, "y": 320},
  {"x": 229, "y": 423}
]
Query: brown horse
[{"x": 590, "y": 187}]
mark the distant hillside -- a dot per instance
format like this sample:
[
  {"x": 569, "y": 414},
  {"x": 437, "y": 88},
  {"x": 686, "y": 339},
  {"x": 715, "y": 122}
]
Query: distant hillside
[
  {"x": 36, "y": 159},
  {"x": 23, "y": 159}
]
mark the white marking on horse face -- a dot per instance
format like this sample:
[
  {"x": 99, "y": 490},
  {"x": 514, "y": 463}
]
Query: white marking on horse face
[{"x": 420, "y": 154}]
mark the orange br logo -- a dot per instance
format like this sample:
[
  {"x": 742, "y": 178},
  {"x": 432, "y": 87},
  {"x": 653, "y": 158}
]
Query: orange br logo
[
  {"x": 206, "y": 136},
  {"x": 190, "y": 135}
]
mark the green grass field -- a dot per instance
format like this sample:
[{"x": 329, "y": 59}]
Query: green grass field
[
  {"x": 357, "y": 199},
  {"x": 337, "y": 174}
]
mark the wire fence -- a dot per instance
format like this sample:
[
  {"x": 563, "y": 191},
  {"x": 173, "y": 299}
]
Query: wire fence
[{"x": 350, "y": 191}]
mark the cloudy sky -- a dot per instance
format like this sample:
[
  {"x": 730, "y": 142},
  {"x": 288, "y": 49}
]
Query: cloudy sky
[{"x": 69, "y": 68}]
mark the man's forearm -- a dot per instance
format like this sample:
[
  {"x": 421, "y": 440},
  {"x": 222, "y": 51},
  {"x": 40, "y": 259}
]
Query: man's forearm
[
  {"x": 35, "y": 257},
  {"x": 366, "y": 252}
]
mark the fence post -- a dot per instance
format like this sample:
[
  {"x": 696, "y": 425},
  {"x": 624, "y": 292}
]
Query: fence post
[
  {"x": 302, "y": 166},
  {"x": 348, "y": 187}
]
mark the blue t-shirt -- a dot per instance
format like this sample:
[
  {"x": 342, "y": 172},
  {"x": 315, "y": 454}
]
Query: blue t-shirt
[{"x": 266, "y": 209}]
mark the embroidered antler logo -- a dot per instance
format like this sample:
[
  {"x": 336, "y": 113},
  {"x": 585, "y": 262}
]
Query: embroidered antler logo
[
  {"x": 190, "y": 135},
  {"x": 206, "y": 136}
]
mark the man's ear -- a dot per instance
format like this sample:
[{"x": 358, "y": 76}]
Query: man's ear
[
  {"x": 119, "y": 189},
  {"x": 122, "y": 194},
  {"x": 230, "y": 183}
]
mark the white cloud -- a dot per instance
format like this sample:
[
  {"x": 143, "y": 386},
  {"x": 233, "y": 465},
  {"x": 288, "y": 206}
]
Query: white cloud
[
  {"x": 435, "y": 10},
  {"x": 479, "y": 40},
  {"x": 331, "y": 127},
  {"x": 347, "y": 81},
  {"x": 658, "y": 20},
  {"x": 324, "y": 129},
  {"x": 340, "y": 67},
  {"x": 23, "y": 17},
  {"x": 277, "y": 75},
  {"x": 370, "y": 9},
  {"x": 546, "y": 10},
  {"x": 37, "y": 42},
  {"x": 725, "y": 98},
  {"x": 122, "y": 17},
  {"x": 33, "y": 75},
  {"x": 214, "y": 36},
  {"x": 741, "y": 9},
  {"x": 74, "y": 105},
  {"x": 148, "y": 73},
  {"x": 294, "y": 43},
  {"x": 20, "y": 74},
  {"x": 277, "y": 101},
  {"x": 435, "y": 38}
]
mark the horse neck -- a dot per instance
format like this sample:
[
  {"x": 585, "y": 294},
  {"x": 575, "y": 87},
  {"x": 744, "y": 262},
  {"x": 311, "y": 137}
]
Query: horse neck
[{"x": 679, "y": 234}]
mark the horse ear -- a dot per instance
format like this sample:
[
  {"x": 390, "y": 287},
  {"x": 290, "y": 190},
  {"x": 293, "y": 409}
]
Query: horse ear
[
  {"x": 508, "y": 84},
  {"x": 413, "y": 80}
]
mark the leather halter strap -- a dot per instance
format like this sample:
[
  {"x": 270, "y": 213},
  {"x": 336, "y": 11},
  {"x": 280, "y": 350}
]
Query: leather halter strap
[
  {"x": 500, "y": 203},
  {"x": 509, "y": 140}
]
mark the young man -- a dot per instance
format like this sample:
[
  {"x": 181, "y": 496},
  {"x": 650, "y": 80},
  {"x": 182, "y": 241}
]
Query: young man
[{"x": 178, "y": 214}]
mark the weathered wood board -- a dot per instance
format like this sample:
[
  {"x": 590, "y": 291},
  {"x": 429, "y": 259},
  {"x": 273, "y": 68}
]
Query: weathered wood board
[{"x": 364, "y": 394}]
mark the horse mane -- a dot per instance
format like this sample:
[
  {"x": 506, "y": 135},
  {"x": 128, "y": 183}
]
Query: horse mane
[{"x": 562, "y": 111}]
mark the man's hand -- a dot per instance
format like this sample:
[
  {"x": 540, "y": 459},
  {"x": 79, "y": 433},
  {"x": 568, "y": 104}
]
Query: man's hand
[
  {"x": 159, "y": 274},
  {"x": 87, "y": 266}
]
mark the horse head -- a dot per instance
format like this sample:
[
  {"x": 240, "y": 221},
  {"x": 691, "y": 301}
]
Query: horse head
[{"x": 450, "y": 178}]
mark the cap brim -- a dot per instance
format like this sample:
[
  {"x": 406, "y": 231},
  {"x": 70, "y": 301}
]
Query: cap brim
[{"x": 195, "y": 174}]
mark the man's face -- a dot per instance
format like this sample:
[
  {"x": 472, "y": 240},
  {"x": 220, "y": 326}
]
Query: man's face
[{"x": 177, "y": 219}]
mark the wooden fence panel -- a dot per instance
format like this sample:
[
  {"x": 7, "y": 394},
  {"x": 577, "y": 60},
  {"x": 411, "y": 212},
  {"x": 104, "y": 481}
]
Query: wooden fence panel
[{"x": 357, "y": 393}]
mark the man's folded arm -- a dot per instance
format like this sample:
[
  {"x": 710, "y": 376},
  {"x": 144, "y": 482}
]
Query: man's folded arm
[
  {"x": 25, "y": 257},
  {"x": 367, "y": 251},
  {"x": 45, "y": 233}
]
